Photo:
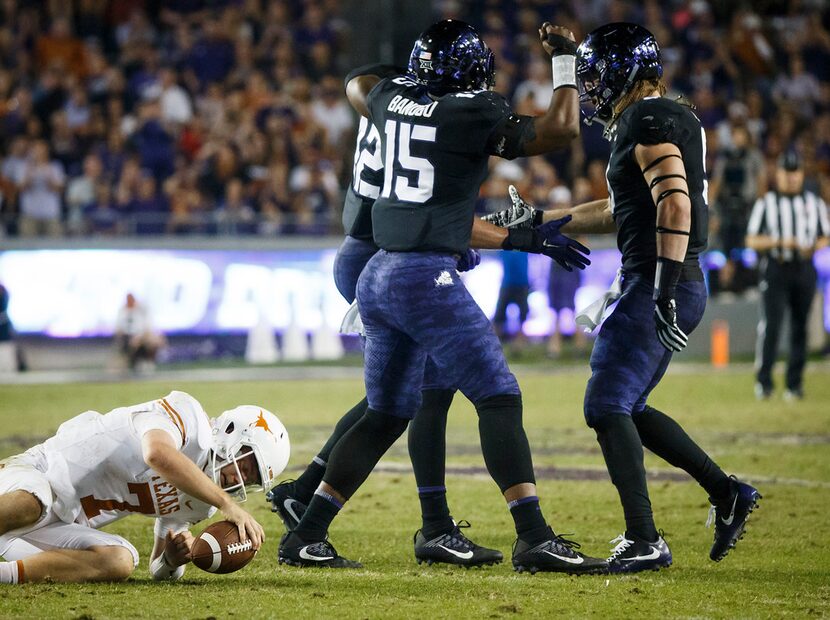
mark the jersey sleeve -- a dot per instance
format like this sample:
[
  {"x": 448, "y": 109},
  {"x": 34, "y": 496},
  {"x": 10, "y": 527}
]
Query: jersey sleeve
[
  {"x": 188, "y": 413},
  {"x": 473, "y": 122},
  {"x": 656, "y": 121},
  {"x": 145, "y": 421}
]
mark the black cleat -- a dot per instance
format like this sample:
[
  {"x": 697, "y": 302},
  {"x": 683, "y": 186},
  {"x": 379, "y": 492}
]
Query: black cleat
[
  {"x": 634, "y": 554},
  {"x": 556, "y": 554},
  {"x": 730, "y": 518},
  {"x": 454, "y": 548},
  {"x": 297, "y": 552},
  {"x": 283, "y": 502}
]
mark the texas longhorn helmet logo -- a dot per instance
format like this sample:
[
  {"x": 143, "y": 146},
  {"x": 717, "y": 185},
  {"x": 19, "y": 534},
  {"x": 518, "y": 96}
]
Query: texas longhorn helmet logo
[{"x": 261, "y": 422}]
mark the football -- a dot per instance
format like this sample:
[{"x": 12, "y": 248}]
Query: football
[{"x": 218, "y": 549}]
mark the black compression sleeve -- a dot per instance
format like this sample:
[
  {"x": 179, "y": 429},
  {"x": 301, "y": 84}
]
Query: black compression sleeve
[
  {"x": 508, "y": 136},
  {"x": 666, "y": 277}
]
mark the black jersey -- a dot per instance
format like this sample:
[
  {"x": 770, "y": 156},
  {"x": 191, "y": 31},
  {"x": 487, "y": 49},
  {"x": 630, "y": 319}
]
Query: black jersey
[
  {"x": 367, "y": 181},
  {"x": 435, "y": 159},
  {"x": 655, "y": 121}
]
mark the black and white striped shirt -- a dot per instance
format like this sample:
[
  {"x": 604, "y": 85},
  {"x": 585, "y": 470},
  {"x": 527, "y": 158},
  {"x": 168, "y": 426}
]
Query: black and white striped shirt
[{"x": 784, "y": 217}]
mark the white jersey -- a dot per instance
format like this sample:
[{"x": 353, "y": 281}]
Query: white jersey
[{"x": 96, "y": 468}]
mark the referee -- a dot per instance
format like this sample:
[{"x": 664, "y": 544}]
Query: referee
[{"x": 786, "y": 227}]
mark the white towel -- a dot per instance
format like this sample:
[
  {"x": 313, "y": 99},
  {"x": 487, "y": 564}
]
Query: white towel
[
  {"x": 352, "y": 323},
  {"x": 588, "y": 318}
]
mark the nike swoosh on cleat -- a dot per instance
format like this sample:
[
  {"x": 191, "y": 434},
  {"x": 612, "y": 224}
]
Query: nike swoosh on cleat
[
  {"x": 287, "y": 504},
  {"x": 655, "y": 553},
  {"x": 731, "y": 514},
  {"x": 307, "y": 556},
  {"x": 577, "y": 560},
  {"x": 466, "y": 555}
]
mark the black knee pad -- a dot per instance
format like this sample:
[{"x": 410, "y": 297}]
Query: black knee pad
[
  {"x": 384, "y": 425},
  {"x": 503, "y": 440}
]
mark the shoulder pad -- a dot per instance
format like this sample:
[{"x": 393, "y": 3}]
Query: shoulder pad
[{"x": 655, "y": 121}]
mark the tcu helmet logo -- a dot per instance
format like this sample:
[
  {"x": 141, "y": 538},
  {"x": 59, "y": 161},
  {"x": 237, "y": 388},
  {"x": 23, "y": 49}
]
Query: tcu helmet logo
[{"x": 426, "y": 60}]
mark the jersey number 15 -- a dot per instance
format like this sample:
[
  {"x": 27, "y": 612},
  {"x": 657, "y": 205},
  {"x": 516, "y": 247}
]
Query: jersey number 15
[{"x": 399, "y": 136}]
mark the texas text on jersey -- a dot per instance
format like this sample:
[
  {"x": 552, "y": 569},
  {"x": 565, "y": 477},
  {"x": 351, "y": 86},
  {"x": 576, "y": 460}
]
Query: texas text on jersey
[
  {"x": 655, "y": 121},
  {"x": 435, "y": 156}
]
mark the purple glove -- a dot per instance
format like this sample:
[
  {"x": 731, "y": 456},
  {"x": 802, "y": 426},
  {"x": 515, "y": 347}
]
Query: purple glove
[{"x": 468, "y": 261}]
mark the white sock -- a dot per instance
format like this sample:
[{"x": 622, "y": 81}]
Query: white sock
[{"x": 11, "y": 572}]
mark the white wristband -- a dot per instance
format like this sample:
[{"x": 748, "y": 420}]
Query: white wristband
[
  {"x": 161, "y": 570},
  {"x": 564, "y": 71}
]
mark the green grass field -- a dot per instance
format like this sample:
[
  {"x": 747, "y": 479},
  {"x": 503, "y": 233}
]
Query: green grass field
[{"x": 781, "y": 568}]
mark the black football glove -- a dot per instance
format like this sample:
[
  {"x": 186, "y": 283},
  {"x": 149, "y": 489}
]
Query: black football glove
[
  {"x": 548, "y": 239},
  {"x": 561, "y": 45},
  {"x": 665, "y": 320}
]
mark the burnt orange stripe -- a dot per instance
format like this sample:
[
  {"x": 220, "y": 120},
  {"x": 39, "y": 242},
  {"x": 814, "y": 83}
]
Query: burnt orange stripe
[
  {"x": 177, "y": 419},
  {"x": 21, "y": 574}
]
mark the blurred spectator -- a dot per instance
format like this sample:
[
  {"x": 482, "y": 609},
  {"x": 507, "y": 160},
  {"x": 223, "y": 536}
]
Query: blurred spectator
[
  {"x": 515, "y": 287},
  {"x": 212, "y": 57},
  {"x": 333, "y": 113},
  {"x": 562, "y": 286},
  {"x": 60, "y": 50},
  {"x": 135, "y": 337},
  {"x": 148, "y": 209},
  {"x": 736, "y": 182},
  {"x": 41, "y": 184},
  {"x": 11, "y": 357},
  {"x": 81, "y": 193},
  {"x": 798, "y": 89},
  {"x": 175, "y": 102},
  {"x": 234, "y": 215},
  {"x": 101, "y": 217}
]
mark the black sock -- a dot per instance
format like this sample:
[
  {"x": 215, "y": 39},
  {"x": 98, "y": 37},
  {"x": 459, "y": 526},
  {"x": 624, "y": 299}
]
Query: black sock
[
  {"x": 351, "y": 462},
  {"x": 531, "y": 526},
  {"x": 623, "y": 451},
  {"x": 307, "y": 483},
  {"x": 435, "y": 513},
  {"x": 503, "y": 440},
  {"x": 318, "y": 516},
  {"x": 667, "y": 439},
  {"x": 427, "y": 451}
]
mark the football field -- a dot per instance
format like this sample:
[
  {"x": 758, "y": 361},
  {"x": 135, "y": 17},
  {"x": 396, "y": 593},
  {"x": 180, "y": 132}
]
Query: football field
[{"x": 781, "y": 568}]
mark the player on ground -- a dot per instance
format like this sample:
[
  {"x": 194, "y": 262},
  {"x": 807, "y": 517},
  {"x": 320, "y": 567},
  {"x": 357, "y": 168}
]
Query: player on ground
[
  {"x": 163, "y": 458},
  {"x": 438, "y": 126},
  {"x": 657, "y": 207}
]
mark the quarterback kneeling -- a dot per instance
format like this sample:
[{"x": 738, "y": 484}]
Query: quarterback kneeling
[{"x": 163, "y": 458}]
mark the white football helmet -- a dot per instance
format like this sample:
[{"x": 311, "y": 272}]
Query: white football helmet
[{"x": 245, "y": 430}]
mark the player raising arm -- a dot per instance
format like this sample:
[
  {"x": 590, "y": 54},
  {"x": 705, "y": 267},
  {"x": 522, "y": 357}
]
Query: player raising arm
[
  {"x": 163, "y": 458},
  {"x": 657, "y": 206},
  {"x": 438, "y": 125}
]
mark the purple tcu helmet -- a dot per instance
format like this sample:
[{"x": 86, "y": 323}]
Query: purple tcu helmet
[
  {"x": 450, "y": 56},
  {"x": 608, "y": 63}
]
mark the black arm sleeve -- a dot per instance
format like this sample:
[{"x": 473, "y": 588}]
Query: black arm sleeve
[{"x": 381, "y": 71}]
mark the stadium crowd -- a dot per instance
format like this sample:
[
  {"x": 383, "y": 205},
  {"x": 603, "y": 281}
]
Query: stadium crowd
[{"x": 227, "y": 117}]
